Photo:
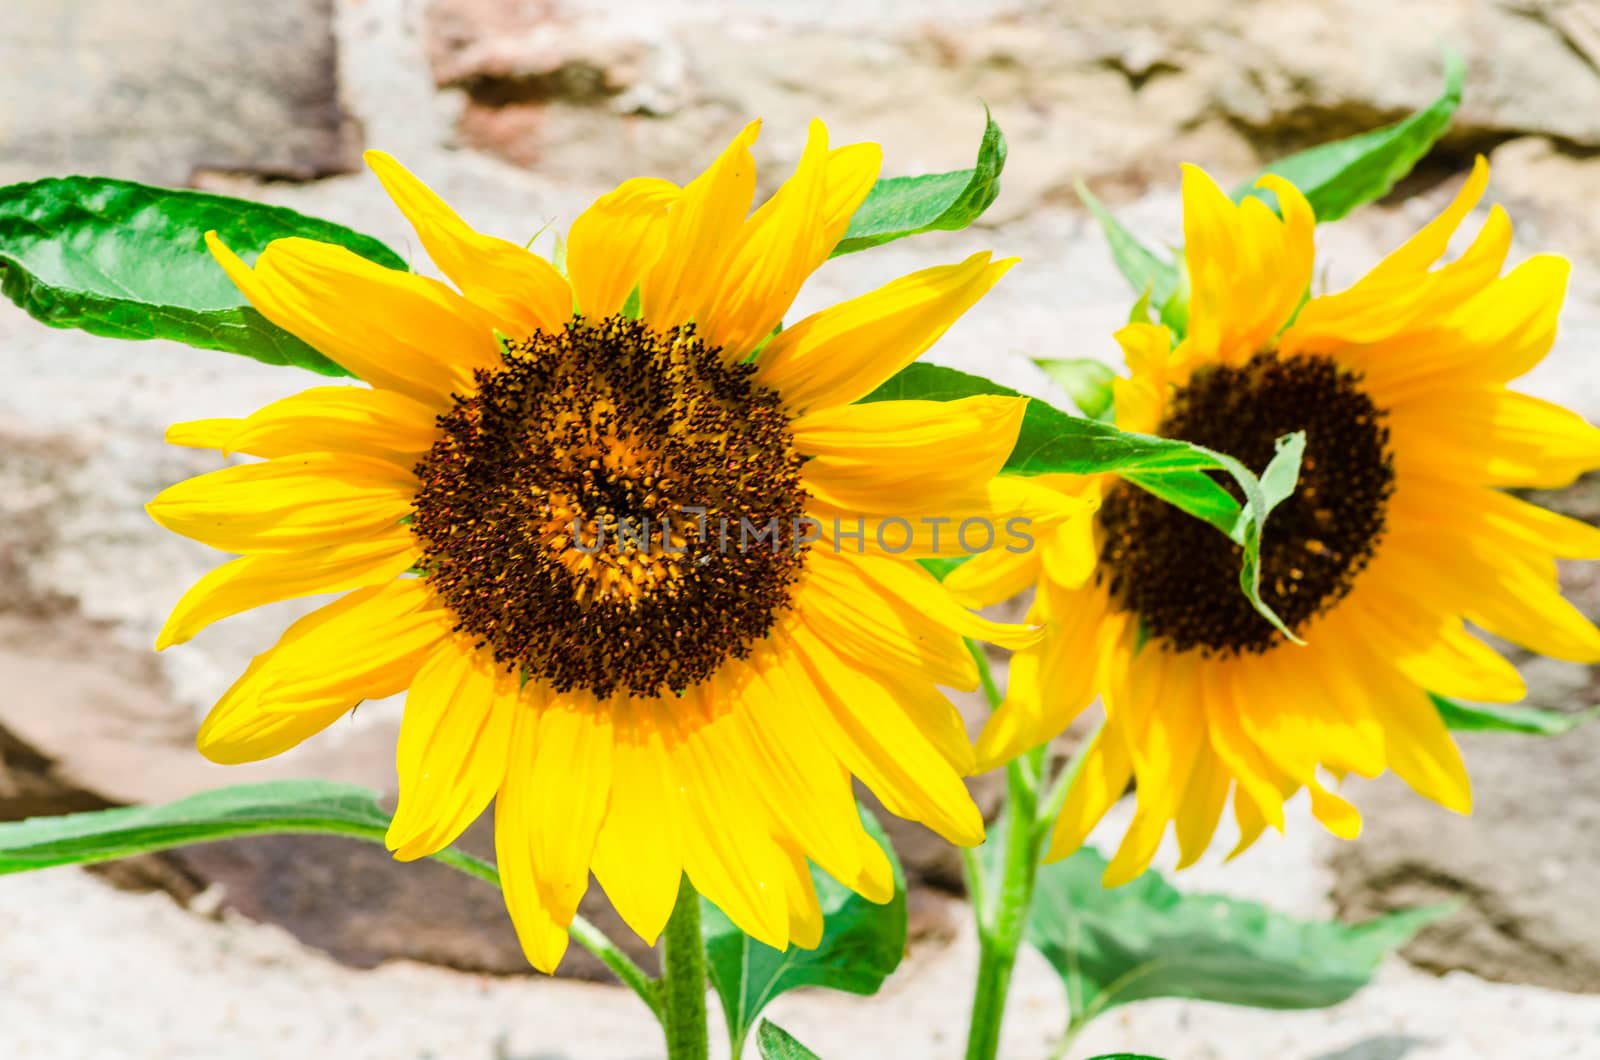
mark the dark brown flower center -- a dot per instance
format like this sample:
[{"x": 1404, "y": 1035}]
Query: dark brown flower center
[
  {"x": 616, "y": 509},
  {"x": 1181, "y": 575}
]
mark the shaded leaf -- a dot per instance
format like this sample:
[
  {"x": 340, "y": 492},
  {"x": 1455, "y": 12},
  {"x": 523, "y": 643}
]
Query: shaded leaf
[
  {"x": 1339, "y": 176},
  {"x": 897, "y": 207},
  {"x": 128, "y": 261},
  {"x": 1502, "y": 717},
  {"x": 1146, "y": 940},
  {"x": 776, "y": 1043},
  {"x": 861, "y": 944}
]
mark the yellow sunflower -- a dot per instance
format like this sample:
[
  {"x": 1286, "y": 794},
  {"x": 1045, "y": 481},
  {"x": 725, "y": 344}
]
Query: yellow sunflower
[
  {"x": 629, "y": 574},
  {"x": 1398, "y": 533}
]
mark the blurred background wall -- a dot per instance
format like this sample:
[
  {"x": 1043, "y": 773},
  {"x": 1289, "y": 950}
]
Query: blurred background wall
[{"x": 520, "y": 112}]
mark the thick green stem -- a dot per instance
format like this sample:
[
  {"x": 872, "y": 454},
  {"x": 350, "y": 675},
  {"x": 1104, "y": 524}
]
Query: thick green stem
[
  {"x": 683, "y": 979},
  {"x": 1001, "y": 925}
]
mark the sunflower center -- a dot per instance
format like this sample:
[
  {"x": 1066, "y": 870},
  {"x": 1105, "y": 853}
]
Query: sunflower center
[
  {"x": 1181, "y": 576},
  {"x": 616, "y": 509}
]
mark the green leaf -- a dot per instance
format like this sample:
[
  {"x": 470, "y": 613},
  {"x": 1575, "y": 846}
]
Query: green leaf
[
  {"x": 1086, "y": 381},
  {"x": 1501, "y": 717},
  {"x": 1146, "y": 940},
  {"x": 897, "y": 207},
  {"x": 861, "y": 944},
  {"x": 129, "y": 261},
  {"x": 1160, "y": 280},
  {"x": 1143, "y": 268},
  {"x": 1051, "y": 442},
  {"x": 279, "y": 807},
  {"x": 1339, "y": 176},
  {"x": 776, "y": 1043}
]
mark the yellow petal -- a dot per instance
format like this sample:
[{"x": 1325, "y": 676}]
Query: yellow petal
[
  {"x": 512, "y": 284},
  {"x": 265, "y": 578},
  {"x": 1201, "y": 807},
  {"x": 702, "y": 236},
  {"x": 842, "y": 353},
  {"x": 395, "y": 330},
  {"x": 455, "y": 736},
  {"x": 543, "y": 936},
  {"x": 785, "y": 240},
  {"x": 368, "y": 644},
  {"x": 565, "y": 791},
  {"x": 1102, "y": 780},
  {"x": 1051, "y": 683},
  {"x": 1247, "y": 269},
  {"x": 290, "y": 503},
  {"x": 876, "y": 628},
  {"x": 729, "y": 851},
  {"x": 1420, "y": 252},
  {"x": 917, "y": 449},
  {"x": 1004, "y": 514},
  {"x": 1336, "y": 813},
  {"x": 805, "y": 912},
  {"x": 339, "y": 419},
  {"x": 807, "y": 791},
  {"x": 638, "y": 857},
  {"x": 880, "y": 744},
  {"x": 616, "y": 241}
]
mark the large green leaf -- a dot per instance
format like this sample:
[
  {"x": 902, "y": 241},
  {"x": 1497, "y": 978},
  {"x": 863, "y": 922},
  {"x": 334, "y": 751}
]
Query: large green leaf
[
  {"x": 1509, "y": 717},
  {"x": 129, "y": 261},
  {"x": 1147, "y": 940},
  {"x": 1339, "y": 176},
  {"x": 306, "y": 806},
  {"x": 897, "y": 207},
  {"x": 775, "y": 1043},
  {"x": 1052, "y": 441},
  {"x": 861, "y": 944}
]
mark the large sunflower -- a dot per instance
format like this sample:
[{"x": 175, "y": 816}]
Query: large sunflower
[
  {"x": 572, "y": 519},
  {"x": 1398, "y": 533}
]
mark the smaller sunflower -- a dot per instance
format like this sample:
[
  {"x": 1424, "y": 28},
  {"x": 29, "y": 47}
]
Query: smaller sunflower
[
  {"x": 1399, "y": 533},
  {"x": 651, "y": 593}
]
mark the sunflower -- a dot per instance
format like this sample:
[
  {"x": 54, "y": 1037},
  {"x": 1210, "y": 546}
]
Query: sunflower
[
  {"x": 1398, "y": 534},
  {"x": 632, "y": 552}
]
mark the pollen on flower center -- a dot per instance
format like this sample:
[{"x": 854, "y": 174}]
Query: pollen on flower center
[
  {"x": 1181, "y": 576},
  {"x": 587, "y": 513}
]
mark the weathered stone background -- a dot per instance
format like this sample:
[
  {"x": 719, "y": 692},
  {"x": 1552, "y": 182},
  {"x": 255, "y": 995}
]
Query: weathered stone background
[{"x": 520, "y": 111}]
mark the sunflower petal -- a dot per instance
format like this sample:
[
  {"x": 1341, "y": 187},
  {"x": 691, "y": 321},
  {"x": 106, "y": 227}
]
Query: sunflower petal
[
  {"x": 510, "y": 283},
  {"x": 615, "y": 242},
  {"x": 840, "y": 354},
  {"x": 264, "y": 578},
  {"x": 396, "y": 330},
  {"x": 702, "y": 236},
  {"x": 368, "y": 644},
  {"x": 455, "y": 736},
  {"x": 290, "y": 503}
]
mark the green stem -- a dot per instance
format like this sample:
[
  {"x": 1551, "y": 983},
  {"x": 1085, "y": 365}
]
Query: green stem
[
  {"x": 1003, "y": 912},
  {"x": 683, "y": 979},
  {"x": 1000, "y": 927}
]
